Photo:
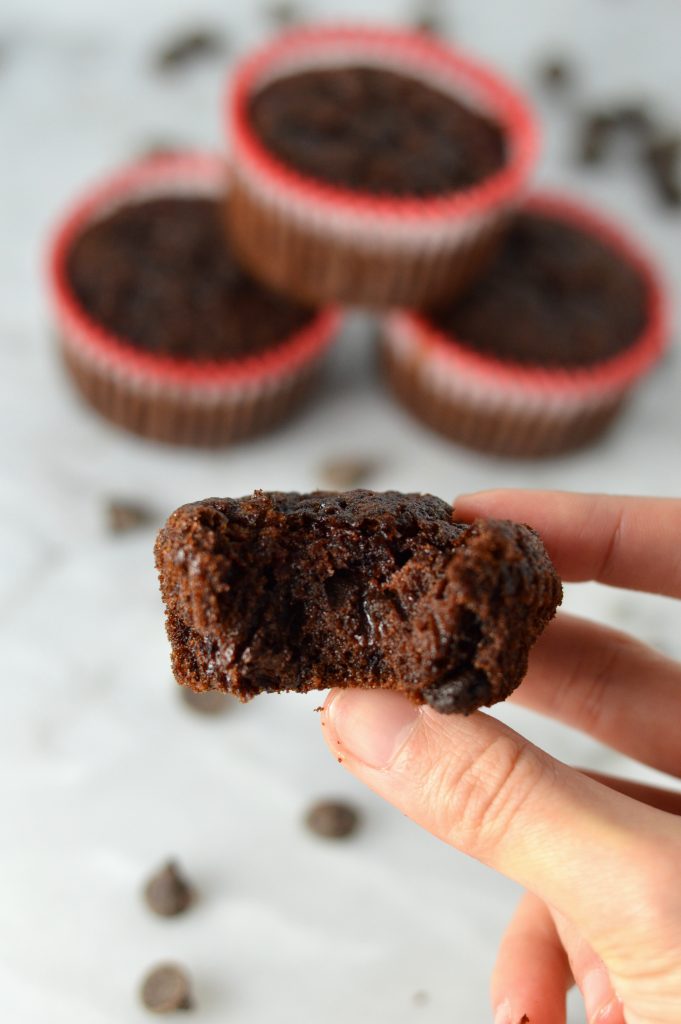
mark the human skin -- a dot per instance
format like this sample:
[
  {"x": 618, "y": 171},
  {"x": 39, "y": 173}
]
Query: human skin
[{"x": 600, "y": 858}]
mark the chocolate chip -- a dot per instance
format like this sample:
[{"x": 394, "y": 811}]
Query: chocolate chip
[
  {"x": 189, "y": 47},
  {"x": 662, "y": 156},
  {"x": 159, "y": 148},
  {"x": 633, "y": 117},
  {"x": 346, "y": 472},
  {"x": 595, "y": 135},
  {"x": 332, "y": 819},
  {"x": 123, "y": 516},
  {"x": 556, "y": 74},
  {"x": 430, "y": 24},
  {"x": 168, "y": 893},
  {"x": 468, "y": 691},
  {"x": 283, "y": 14},
  {"x": 206, "y": 702},
  {"x": 166, "y": 988}
]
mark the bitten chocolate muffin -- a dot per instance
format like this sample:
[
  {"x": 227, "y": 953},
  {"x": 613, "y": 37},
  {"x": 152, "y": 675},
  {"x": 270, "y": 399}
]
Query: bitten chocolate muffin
[
  {"x": 285, "y": 591},
  {"x": 377, "y": 131},
  {"x": 161, "y": 330}
]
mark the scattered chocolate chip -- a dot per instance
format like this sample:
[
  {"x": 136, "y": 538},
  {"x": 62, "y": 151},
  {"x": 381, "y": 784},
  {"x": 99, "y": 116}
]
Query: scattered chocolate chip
[
  {"x": 662, "y": 156},
  {"x": 166, "y": 988},
  {"x": 190, "y": 47},
  {"x": 283, "y": 14},
  {"x": 159, "y": 148},
  {"x": 332, "y": 819},
  {"x": 168, "y": 893},
  {"x": 345, "y": 472},
  {"x": 634, "y": 118},
  {"x": 123, "y": 516},
  {"x": 595, "y": 135},
  {"x": 430, "y": 24},
  {"x": 206, "y": 702},
  {"x": 556, "y": 74}
]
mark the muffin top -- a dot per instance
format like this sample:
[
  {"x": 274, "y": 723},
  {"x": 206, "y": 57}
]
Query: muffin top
[
  {"x": 555, "y": 296},
  {"x": 159, "y": 274},
  {"x": 376, "y": 131}
]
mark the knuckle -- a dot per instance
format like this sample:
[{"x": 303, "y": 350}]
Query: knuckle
[
  {"x": 595, "y": 682},
  {"x": 657, "y": 894},
  {"x": 479, "y": 800}
]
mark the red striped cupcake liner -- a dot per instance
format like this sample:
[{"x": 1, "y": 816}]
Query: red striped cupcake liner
[
  {"x": 511, "y": 409},
  {"x": 324, "y": 243},
  {"x": 159, "y": 397}
]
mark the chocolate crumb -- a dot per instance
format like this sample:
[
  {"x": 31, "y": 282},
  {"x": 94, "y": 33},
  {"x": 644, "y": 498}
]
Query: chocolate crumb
[
  {"x": 332, "y": 819},
  {"x": 524, "y": 1019},
  {"x": 189, "y": 47},
  {"x": 206, "y": 702},
  {"x": 556, "y": 74},
  {"x": 123, "y": 516},
  {"x": 345, "y": 472},
  {"x": 320, "y": 708},
  {"x": 166, "y": 988},
  {"x": 168, "y": 893}
]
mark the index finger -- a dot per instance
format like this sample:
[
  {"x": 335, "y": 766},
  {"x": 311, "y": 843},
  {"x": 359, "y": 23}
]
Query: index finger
[{"x": 622, "y": 541}]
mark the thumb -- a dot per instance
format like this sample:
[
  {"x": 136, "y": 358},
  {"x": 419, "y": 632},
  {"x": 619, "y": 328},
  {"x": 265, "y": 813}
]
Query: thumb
[{"x": 602, "y": 859}]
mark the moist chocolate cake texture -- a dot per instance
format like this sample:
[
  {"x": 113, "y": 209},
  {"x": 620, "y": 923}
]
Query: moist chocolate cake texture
[{"x": 286, "y": 591}]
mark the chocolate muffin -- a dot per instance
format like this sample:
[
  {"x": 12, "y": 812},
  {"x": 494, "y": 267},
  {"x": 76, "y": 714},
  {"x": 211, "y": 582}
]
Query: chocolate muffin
[
  {"x": 371, "y": 167},
  {"x": 285, "y": 591},
  {"x": 375, "y": 130},
  {"x": 541, "y": 353},
  {"x": 160, "y": 328},
  {"x": 159, "y": 273}
]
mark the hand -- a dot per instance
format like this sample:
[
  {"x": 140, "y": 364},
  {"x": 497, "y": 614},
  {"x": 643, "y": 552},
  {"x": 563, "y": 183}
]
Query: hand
[{"x": 600, "y": 858}]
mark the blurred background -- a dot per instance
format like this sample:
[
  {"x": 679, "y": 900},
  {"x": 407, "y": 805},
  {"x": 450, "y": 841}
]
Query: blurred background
[{"x": 105, "y": 772}]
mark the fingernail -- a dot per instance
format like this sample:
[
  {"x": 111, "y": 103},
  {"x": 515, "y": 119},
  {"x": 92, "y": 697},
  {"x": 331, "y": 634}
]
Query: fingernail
[
  {"x": 372, "y": 725},
  {"x": 599, "y": 1000},
  {"x": 503, "y": 1013}
]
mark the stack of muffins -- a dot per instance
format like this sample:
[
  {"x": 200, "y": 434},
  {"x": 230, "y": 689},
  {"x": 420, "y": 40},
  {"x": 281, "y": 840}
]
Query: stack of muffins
[{"x": 195, "y": 299}]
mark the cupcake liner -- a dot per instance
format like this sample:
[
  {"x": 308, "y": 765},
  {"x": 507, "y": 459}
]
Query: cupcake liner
[
  {"x": 327, "y": 243},
  {"x": 175, "y": 400},
  {"x": 513, "y": 409}
]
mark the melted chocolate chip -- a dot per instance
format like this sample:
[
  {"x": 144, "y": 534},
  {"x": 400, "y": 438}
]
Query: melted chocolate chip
[{"x": 465, "y": 693}]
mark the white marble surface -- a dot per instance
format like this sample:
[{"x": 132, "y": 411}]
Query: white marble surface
[{"x": 102, "y": 772}]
